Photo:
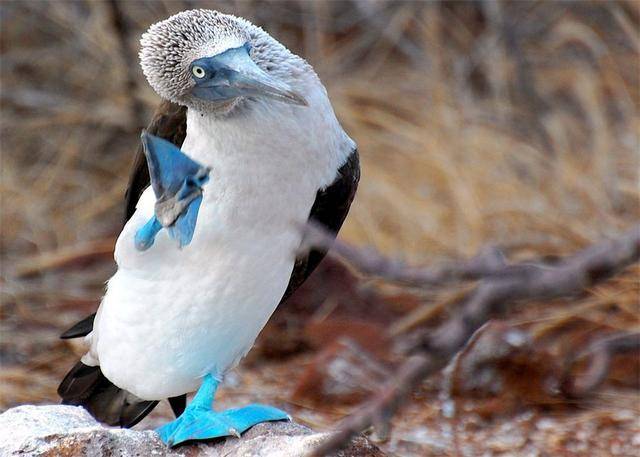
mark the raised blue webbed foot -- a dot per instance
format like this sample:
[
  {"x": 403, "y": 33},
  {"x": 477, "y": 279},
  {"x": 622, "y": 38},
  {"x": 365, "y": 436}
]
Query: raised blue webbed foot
[
  {"x": 200, "y": 422},
  {"x": 177, "y": 184}
]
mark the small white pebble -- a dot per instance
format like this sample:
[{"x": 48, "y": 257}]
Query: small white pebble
[
  {"x": 615, "y": 448},
  {"x": 448, "y": 409},
  {"x": 624, "y": 415},
  {"x": 545, "y": 424},
  {"x": 515, "y": 338}
]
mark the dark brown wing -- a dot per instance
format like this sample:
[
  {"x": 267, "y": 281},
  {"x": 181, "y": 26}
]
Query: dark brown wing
[
  {"x": 329, "y": 210},
  {"x": 170, "y": 123}
]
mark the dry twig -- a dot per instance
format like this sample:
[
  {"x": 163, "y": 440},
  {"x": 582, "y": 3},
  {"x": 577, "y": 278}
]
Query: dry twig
[
  {"x": 489, "y": 262},
  {"x": 65, "y": 257},
  {"x": 599, "y": 353},
  {"x": 490, "y": 299}
]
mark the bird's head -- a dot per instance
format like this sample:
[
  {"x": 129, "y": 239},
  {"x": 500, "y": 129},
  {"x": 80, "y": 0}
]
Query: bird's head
[{"x": 205, "y": 60}]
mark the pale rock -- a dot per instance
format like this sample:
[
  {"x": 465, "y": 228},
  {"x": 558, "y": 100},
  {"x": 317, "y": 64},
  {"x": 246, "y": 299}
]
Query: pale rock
[{"x": 69, "y": 431}]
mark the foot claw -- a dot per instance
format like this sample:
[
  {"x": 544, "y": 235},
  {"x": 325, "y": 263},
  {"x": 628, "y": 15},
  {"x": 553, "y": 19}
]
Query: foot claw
[{"x": 234, "y": 432}]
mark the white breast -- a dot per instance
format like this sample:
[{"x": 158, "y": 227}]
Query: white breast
[{"x": 170, "y": 316}]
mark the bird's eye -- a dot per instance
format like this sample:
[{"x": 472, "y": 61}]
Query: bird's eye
[{"x": 198, "y": 72}]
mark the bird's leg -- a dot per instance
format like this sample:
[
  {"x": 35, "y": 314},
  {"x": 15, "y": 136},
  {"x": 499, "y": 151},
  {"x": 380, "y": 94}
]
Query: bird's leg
[
  {"x": 177, "y": 182},
  {"x": 200, "y": 422}
]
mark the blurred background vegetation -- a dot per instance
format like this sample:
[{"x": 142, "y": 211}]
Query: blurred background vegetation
[{"x": 478, "y": 123}]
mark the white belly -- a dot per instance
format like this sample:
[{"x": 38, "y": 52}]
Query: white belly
[{"x": 172, "y": 315}]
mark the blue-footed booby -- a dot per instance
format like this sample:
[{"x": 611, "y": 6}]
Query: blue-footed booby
[{"x": 244, "y": 149}]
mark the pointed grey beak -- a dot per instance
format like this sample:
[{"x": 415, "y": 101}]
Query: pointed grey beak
[
  {"x": 260, "y": 83},
  {"x": 234, "y": 74}
]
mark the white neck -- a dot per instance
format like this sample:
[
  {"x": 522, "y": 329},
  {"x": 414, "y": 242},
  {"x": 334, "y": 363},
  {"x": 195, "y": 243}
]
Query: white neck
[{"x": 272, "y": 137}]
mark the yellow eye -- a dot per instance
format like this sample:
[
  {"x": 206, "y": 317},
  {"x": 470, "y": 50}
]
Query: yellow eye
[{"x": 198, "y": 72}]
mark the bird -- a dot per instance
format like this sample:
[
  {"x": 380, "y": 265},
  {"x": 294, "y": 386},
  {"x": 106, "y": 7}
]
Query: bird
[{"x": 244, "y": 149}]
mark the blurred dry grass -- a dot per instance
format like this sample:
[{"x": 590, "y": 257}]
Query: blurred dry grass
[{"x": 510, "y": 123}]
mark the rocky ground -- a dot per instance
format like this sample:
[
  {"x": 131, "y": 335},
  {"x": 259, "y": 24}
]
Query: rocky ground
[{"x": 70, "y": 431}]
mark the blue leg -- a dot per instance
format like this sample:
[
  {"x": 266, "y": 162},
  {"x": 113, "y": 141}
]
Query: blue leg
[{"x": 200, "y": 422}]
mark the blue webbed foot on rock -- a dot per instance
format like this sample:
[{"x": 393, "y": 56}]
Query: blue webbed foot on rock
[
  {"x": 200, "y": 422},
  {"x": 177, "y": 182}
]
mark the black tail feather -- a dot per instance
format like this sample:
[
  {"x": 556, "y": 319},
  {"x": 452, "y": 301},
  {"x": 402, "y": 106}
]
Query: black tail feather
[
  {"x": 178, "y": 404},
  {"x": 82, "y": 328},
  {"x": 86, "y": 386}
]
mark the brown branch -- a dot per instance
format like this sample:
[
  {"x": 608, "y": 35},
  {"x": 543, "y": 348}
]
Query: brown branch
[
  {"x": 490, "y": 261},
  {"x": 65, "y": 257},
  {"x": 599, "y": 354},
  {"x": 488, "y": 300}
]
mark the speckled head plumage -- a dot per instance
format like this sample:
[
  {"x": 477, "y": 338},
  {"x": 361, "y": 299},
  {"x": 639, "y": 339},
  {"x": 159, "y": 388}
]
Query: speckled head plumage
[{"x": 169, "y": 49}]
